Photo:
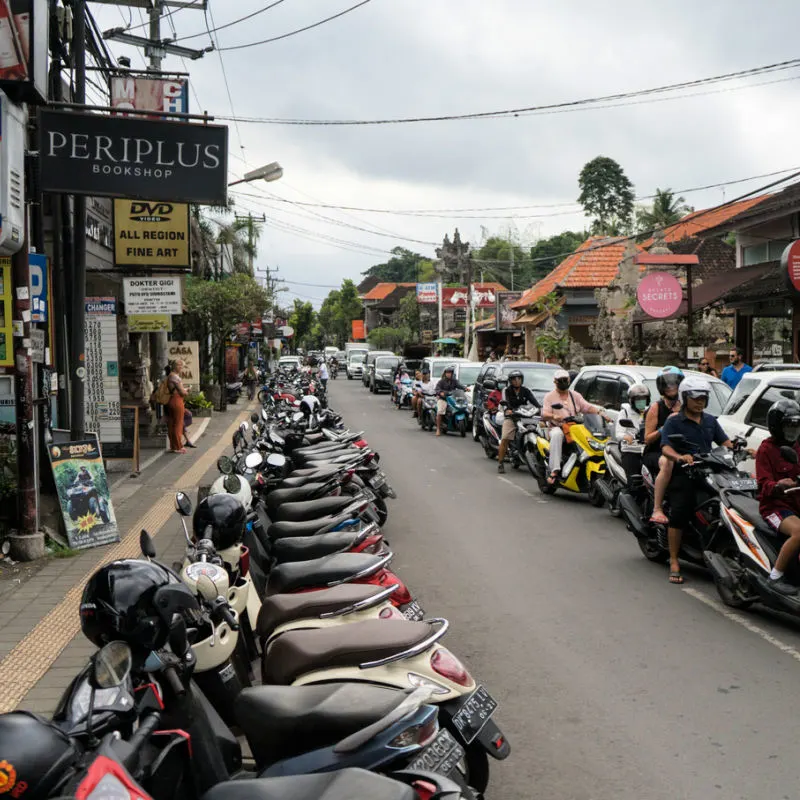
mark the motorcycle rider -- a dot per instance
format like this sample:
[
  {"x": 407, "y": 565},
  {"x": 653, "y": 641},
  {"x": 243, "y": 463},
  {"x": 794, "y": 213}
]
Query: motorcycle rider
[
  {"x": 422, "y": 386},
  {"x": 660, "y": 468},
  {"x": 634, "y": 410},
  {"x": 514, "y": 396},
  {"x": 573, "y": 403},
  {"x": 775, "y": 475},
  {"x": 447, "y": 383},
  {"x": 701, "y": 430}
]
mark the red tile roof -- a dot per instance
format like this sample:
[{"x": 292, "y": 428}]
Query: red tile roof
[{"x": 382, "y": 290}]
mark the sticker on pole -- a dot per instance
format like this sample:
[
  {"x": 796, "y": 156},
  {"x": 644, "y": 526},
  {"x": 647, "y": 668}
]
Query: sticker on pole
[{"x": 660, "y": 294}]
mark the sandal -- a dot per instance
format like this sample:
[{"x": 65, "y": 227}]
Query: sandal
[
  {"x": 659, "y": 518},
  {"x": 675, "y": 577},
  {"x": 552, "y": 478}
]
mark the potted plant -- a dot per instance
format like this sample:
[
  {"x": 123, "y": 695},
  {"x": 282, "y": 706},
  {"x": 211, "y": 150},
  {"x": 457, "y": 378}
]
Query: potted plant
[{"x": 198, "y": 405}]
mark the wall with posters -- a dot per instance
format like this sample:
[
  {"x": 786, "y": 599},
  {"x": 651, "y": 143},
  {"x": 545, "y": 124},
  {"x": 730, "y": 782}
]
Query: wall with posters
[{"x": 103, "y": 412}]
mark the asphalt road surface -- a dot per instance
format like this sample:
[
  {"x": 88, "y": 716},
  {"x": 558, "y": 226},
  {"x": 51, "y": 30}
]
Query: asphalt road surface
[{"x": 612, "y": 683}]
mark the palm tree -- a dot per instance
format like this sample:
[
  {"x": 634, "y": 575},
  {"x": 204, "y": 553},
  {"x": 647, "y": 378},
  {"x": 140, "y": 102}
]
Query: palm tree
[
  {"x": 242, "y": 234},
  {"x": 666, "y": 210}
]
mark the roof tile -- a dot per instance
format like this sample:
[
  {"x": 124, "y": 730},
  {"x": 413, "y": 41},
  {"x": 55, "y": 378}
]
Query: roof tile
[{"x": 382, "y": 290}]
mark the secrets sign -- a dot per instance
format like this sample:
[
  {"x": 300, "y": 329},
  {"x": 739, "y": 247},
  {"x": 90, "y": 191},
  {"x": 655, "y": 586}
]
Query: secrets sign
[
  {"x": 135, "y": 158},
  {"x": 151, "y": 234}
]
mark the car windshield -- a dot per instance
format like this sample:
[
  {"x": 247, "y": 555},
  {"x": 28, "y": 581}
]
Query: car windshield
[
  {"x": 357, "y": 358},
  {"x": 535, "y": 378},
  {"x": 468, "y": 373},
  {"x": 386, "y": 362},
  {"x": 437, "y": 368}
]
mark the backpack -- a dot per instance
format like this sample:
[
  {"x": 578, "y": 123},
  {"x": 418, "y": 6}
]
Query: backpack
[{"x": 162, "y": 394}]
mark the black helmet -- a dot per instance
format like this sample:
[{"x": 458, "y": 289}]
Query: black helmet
[
  {"x": 639, "y": 397},
  {"x": 516, "y": 373},
  {"x": 668, "y": 378},
  {"x": 35, "y": 756},
  {"x": 449, "y": 368},
  {"x": 118, "y": 603},
  {"x": 783, "y": 420},
  {"x": 225, "y": 515}
]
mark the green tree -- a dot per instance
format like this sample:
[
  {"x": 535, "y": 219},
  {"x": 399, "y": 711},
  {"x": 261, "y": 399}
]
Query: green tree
[
  {"x": 409, "y": 315},
  {"x": 606, "y": 196},
  {"x": 665, "y": 210},
  {"x": 337, "y": 313},
  {"x": 402, "y": 267},
  {"x": 554, "y": 249},
  {"x": 389, "y": 338},
  {"x": 494, "y": 258},
  {"x": 303, "y": 319}
]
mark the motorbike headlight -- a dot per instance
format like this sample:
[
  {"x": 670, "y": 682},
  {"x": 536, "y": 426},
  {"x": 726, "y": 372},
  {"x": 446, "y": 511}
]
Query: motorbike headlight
[{"x": 595, "y": 445}]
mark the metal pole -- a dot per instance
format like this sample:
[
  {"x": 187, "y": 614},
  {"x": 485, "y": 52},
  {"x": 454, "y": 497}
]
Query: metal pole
[
  {"x": 689, "y": 302},
  {"x": 468, "y": 324},
  {"x": 439, "y": 303}
]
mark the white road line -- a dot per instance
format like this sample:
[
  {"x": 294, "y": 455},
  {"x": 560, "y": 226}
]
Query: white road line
[
  {"x": 515, "y": 485},
  {"x": 744, "y": 622}
]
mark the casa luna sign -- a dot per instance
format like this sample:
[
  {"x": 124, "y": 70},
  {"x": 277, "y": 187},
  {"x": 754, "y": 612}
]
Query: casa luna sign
[{"x": 134, "y": 158}]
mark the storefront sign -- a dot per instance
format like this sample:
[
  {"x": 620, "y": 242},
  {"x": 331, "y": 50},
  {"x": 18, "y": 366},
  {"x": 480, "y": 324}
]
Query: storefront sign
[
  {"x": 102, "y": 369},
  {"x": 427, "y": 293},
  {"x": 151, "y": 234},
  {"x": 660, "y": 294},
  {"x": 83, "y": 493},
  {"x": 188, "y": 353},
  {"x": 135, "y": 158},
  {"x": 790, "y": 263},
  {"x": 153, "y": 295},
  {"x": 482, "y": 296},
  {"x": 504, "y": 314},
  {"x": 149, "y": 323},
  {"x": 6, "y": 309},
  {"x": 358, "y": 330},
  {"x": 24, "y": 43},
  {"x": 37, "y": 266},
  {"x": 149, "y": 94}
]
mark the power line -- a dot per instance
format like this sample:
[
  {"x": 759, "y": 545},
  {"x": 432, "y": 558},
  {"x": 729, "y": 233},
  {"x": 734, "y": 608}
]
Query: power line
[
  {"x": 299, "y": 30},
  {"x": 234, "y": 22},
  {"x": 165, "y": 14},
  {"x": 565, "y": 106}
]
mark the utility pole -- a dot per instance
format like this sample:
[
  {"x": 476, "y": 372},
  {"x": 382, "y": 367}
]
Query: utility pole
[{"x": 251, "y": 236}]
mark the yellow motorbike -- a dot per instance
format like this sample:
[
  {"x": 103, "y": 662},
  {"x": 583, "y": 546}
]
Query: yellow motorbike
[{"x": 583, "y": 459}]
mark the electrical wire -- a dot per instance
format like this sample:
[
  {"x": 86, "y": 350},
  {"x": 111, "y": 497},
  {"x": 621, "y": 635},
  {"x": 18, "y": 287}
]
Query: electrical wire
[
  {"x": 165, "y": 14},
  {"x": 299, "y": 30},
  {"x": 234, "y": 22}
]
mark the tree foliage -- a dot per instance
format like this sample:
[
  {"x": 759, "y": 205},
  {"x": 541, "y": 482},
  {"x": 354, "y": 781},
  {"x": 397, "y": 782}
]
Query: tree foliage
[
  {"x": 337, "y": 313},
  {"x": 554, "y": 249},
  {"x": 606, "y": 196},
  {"x": 389, "y": 338},
  {"x": 665, "y": 210},
  {"x": 404, "y": 266},
  {"x": 303, "y": 319}
]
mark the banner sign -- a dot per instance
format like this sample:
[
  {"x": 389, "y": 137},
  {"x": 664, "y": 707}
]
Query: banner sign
[
  {"x": 83, "y": 493},
  {"x": 102, "y": 369},
  {"x": 24, "y": 45},
  {"x": 482, "y": 296},
  {"x": 151, "y": 234},
  {"x": 153, "y": 295},
  {"x": 149, "y": 94},
  {"x": 790, "y": 264},
  {"x": 427, "y": 293},
  {"x": 135, "y": 158},
  {"x": 504, "y": 314},
  {"x": 6, "y": 314},
  {"x": 659, "y": 294},
  {"x": 37, "y": 267},
  {"x": 358, "y": 330},
  {"x": 188, "y": 352},
  {"x": 149, "y": 323}
]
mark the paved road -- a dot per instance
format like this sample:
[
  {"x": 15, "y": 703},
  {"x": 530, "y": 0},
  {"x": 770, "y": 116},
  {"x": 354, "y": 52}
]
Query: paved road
[{"x": 612, "y": 683}]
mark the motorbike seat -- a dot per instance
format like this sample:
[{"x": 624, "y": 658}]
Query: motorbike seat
[
  {"x": 299, "y": 652},
  {"x": 320, "y": 572},
  {"x": 279, "y": 609},
  {"x": 327, "y": 459},
  {"x": 307, "y": 527},
  {"x": 302, "y": 548},
  {"x": 314, "y": 438},
  {"x": 322, "y": 447},
  {"x": 343, "y": 784},
  {"x": 748, "y": 507},
  {"x": 310, "y": 472},
  {"x": 292, "y": 494},
  {"x": 311, "y": 509}
]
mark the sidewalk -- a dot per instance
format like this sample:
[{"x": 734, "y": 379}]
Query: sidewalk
[{"x": 41, "y": 645}]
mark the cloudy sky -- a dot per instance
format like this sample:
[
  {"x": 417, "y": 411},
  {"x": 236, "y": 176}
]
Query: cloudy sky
[{"x": 411, "y": 58}]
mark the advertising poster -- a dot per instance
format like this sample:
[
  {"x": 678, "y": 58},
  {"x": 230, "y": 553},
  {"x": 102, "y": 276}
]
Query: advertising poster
[
  {"x": 151, "y": 234},
  {"x": 504, "y": 314},
  {"x": 103, "y": 412},
  {"x": 83, "y": 494},
  {"x": 149, "y": 94},
  {"x": 6, "y": 308},
  {"x": 427, "y": 293},
  {"x": 232, "y": 363},
  {"x": 24, "y": 37},
  {"x": 153, "y": 295},
  {"x": 482, "y": 296},
  {"x": 37, "y": 265},
  {"x": 188, "y": 352},
  {"x": 149, "y": 323}
]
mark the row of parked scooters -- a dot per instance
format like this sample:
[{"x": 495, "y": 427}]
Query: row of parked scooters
[{"x": 280, "y": 658}]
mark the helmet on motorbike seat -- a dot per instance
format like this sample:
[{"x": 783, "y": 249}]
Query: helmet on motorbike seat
[
  {"x": 516, "y": 373},
  {"x": 118, "y": 603},
  {"x": 695, "y": 388},
  {"x": 783, "y": 420},
  {"x": 309, "y": 405},
  {"x": 225, "y": 515},
  {"x": 668, "y": 378},
  {"x": 639, "y": 397},
  {"x": 36, "y": 756}
]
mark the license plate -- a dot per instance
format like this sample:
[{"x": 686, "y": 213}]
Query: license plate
[
  {"x": 474, "y": 714},
  {"x": 378, "y": 481},
  {"x": 413, "y": 611},
  {"x": 744, "y": 484},
  {"x": 441, "y": 755}
]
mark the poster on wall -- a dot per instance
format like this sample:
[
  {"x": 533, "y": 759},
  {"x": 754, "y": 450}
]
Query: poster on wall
[
  {"x": 151, "y": 234},
  {"x": 504, "y": 314},
  {"x": 232, "y": 363},
  {"x": 83, "y": 494},
  {"x": 149, "y": 94},
  {"x": 427, "y": 293},
  {"x": 103, "y": 412},
  {"x": 160, "y": 295},
  {"x": 24, "y": 44},
  {"x": 6, "y": 339},
  {"x": 188, "y": 353}
]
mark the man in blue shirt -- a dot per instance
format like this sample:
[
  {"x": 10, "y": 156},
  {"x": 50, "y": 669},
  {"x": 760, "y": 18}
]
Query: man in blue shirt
[
  {"x": 737, "y": 369},
  {"x": 701, "y": 432}
]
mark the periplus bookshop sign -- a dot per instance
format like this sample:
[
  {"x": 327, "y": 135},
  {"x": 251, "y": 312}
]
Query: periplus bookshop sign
[
  {"x": 151, "y": 234},
  {"x": 153, "y": 295},
  {"x": 135, "y": 158}
]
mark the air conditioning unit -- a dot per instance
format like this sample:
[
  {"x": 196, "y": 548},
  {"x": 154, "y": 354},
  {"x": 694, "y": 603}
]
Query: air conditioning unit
[{"x": 12, "y": 176}]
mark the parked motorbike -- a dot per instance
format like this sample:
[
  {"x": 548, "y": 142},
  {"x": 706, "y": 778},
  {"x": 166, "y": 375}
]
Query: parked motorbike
[{"x": 232, "y": 391}]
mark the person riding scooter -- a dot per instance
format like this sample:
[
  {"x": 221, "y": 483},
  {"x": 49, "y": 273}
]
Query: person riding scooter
[
  {"x": 514, "y": 396},
  {"x": 634, "y": 412},
  {"x": 447, "y": 383},
  {"x": 775, "y": 475},
  {"x": 660, "y": 468},
  {"x": 422, "y": 386},
  {"x": 572, "y": 403}
]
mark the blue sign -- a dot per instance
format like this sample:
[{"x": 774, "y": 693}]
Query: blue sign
[{"x": 37, "y": 267}]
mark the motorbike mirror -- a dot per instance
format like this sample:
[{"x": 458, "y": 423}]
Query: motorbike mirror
[
  {"x": 207, "y": 589},
  {"x": 183, "y": 505},
  {"x": 146, "y": 545},
  {"x": 225, "y": 465},
  {"x": 253, "y": 460},
  {"x": 178, "y": 640},
  {"x": 111, "y": 665},
  {"x": 231, "y": 484},
  {"x": 254, "y": 418},
  {"x": 789, "y": 454},
  {"x": 557, "y": 406},
  {"x": 627, "y": 423}
]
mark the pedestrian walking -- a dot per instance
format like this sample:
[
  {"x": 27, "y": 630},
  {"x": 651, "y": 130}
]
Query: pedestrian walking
[{"x": 705, "y": 367}]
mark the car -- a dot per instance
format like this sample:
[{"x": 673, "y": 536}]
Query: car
[
  {"x": 355, "y": 363},
  {"x": 341, "y": 359},
  {"x": 436, "y": 364},
  {"x": 538, "y": 377},
  {"x": 766, "y": 366},
  {"x": 369, "y": 365},
  {"x": 381, "y": 373},
  {"x": 290, "y": 363},
  {"x": 746, "y": 411},
  {"x": 467, "y": 374}
]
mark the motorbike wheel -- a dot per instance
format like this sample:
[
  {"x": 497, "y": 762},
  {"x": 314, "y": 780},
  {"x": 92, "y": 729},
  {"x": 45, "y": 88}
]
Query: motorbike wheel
[
  {"x": 462, "y": 427},
  {"x": 476, "y": 430},
  {"x": 596, "y": 496},
  {"x": 732, "y": 598},
  {"x": 477, "y": 764},
  {"x": 545, "y": 487},
  {"x": 651, "y": 551},
  {"x": 487, "y": 448}
]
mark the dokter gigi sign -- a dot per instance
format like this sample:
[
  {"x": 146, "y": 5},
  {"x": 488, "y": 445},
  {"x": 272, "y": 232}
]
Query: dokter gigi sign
[{"x": 136, "y": 158}]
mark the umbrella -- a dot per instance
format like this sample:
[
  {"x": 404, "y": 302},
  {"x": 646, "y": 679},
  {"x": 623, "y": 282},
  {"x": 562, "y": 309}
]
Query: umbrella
[{"x": 446, "y": 340}]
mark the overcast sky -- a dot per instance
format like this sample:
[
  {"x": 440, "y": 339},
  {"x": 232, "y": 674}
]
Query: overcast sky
[{"x": 407, "y": 58}]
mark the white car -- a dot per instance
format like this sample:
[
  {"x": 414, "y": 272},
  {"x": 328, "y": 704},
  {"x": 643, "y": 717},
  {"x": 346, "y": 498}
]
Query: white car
[
  {"x": 467, "y": 374},
  {"x": 287, "y": 363},
  {"x": 745, "y": 413}
]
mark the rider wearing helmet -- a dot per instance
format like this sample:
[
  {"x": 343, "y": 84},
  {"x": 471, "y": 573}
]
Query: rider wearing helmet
[
  {"x": 775, "y": 475},
  {"x": 514, "y": 396},
  {"x": 634, "y": 410},
  {"x": 667, "y": 383},
  {"x": 701, "y": 432},
  {"x": 424, "y": 385},
  {"x": 447, "y": 383}
]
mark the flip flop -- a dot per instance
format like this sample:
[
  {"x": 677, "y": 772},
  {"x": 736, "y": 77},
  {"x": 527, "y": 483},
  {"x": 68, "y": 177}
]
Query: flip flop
[{"x": 675, "y": 577}]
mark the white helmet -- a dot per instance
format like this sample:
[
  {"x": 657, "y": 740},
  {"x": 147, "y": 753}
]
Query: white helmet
[
  {"x": 309, "y": 405},
  {"x": 693, "y": 387}
]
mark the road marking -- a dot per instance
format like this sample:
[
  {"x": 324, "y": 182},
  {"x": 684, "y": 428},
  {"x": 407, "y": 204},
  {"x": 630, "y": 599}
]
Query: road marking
[
  {"x": 739, "y": 619},
  {"x": 515, "y": 485},
  {"x": 28, "y": 662}
]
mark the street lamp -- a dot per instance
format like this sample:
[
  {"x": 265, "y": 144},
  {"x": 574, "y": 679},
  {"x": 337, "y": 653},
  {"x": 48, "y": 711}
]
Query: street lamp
[{"x": 270, "y": 172}]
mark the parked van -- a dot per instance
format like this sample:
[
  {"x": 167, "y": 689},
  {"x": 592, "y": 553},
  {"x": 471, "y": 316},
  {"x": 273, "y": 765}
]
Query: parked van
[{"x": 355, "y": 362}]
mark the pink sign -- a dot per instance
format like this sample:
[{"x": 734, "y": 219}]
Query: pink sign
[{"x": 660, "y": 294}]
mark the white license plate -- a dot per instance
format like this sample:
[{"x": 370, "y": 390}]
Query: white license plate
[
  {"x": 378, "y": 481},
  {"x": 744, "y": 484},
  {"x": 414, "y": 611},
  {"x": 474, "y": 714},
  {"x": 441, "y": 755}
]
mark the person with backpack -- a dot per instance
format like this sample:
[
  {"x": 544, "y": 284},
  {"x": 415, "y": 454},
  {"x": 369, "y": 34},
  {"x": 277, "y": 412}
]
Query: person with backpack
[{"x": 170, "y": 394}]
